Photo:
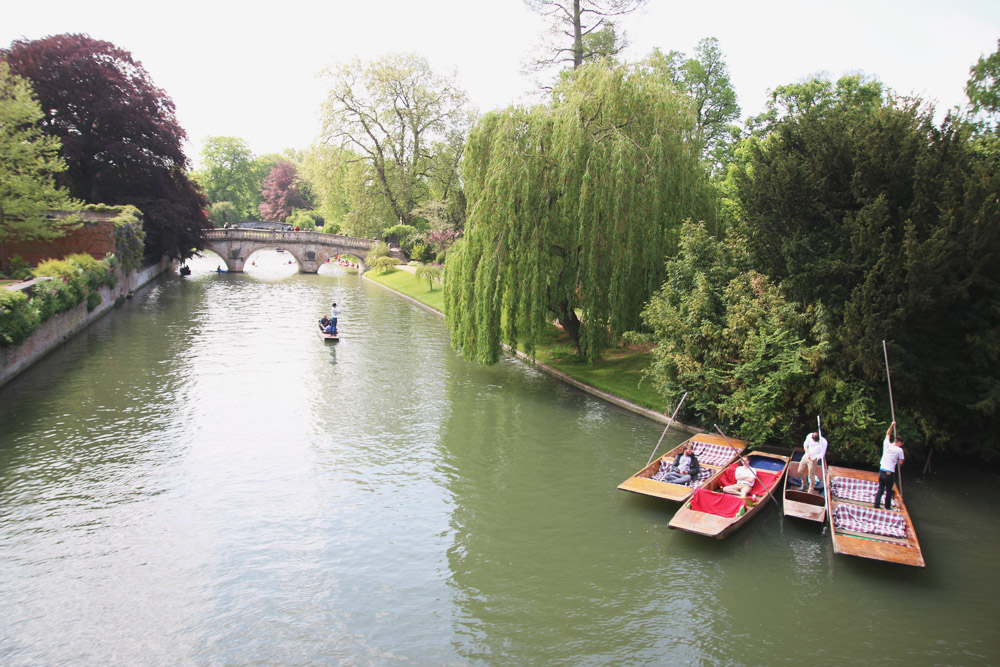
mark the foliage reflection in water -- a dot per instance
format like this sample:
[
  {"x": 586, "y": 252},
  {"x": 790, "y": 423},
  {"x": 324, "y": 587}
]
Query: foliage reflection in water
[{"x": 198, "y": 478}]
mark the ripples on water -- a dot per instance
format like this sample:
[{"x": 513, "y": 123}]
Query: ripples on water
[{"x": 197, "y": 478}]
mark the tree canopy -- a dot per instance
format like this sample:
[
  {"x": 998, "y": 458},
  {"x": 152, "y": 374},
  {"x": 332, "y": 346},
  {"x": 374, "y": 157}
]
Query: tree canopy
[
  {"x": 572, "y": 206},
  {"x": 29, "y": 160},
  {"x": 231, "y": 173},
  {"x": 120, "y": 137},
  {"x": 281, "y": 193},
  {"x": 705, "y": 77},
  {"x": 856, "y": 201},
  {"x": 393, "y": 115}
]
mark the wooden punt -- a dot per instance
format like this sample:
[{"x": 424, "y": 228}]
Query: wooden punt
[
  {"x": 328, "y": 337},
  {"x": 713, "y": 452},
  {"x": 769, "y": 467},
  {"x": 799, "y": 503},
  {"x": 904, "y": 550}
]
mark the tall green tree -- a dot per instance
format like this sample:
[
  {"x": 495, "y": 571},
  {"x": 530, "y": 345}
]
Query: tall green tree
[
  {"x": 746, "y": 354},
  {"x": 572, "y": 207},
  {"x": 29, "y": 160},
  {"x": 390, "y": 113},
  {"x": 705, "y": 77},
  {"x": 860, "y": 202},
  {"x": 230, "y": 172},
  {"x": 983, "y": 86}
]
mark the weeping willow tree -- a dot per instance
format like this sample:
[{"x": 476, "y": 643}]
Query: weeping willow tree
[{"x": 572, "y": 208}]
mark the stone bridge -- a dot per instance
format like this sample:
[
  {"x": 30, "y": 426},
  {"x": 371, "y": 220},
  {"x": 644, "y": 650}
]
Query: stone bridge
[{"x": 310, "y": 249}]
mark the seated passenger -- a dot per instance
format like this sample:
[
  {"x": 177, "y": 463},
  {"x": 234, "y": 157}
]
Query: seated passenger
[
  {"x": 685, "y": 468},
  {"x": 744, "y": 482},
  {"x": 324, "y": 322}
]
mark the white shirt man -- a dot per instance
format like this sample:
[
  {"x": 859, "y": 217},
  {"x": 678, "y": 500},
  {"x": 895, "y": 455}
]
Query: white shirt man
[
  {"x": 892, "y": 455},
  {"x": 815, "y": 446}
]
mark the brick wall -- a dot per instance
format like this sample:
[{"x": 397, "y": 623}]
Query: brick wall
[{"x": 95, "y": 237}]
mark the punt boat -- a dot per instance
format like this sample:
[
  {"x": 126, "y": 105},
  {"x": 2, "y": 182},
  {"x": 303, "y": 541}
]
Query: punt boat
[
  {"x": 858, "y": 529},
  {"x": 796, "y": 501},
  {"x": 713, "y": 454},
  {"x": 716, "y": 514}
]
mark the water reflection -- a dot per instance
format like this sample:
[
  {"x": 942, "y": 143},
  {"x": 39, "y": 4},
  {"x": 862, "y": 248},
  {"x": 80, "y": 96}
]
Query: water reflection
[{"x": 198, "y": 478}]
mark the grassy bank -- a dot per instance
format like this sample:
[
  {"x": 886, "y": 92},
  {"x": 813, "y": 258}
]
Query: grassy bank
[{"x": 619, "y": 372}]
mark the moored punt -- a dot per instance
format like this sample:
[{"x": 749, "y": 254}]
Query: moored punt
[
  {"x": 858, "y": 529},
  {"x": 713, "y": 453},
  {"x": 716, "y": 514},
  {"x": 800, "y": 503}
]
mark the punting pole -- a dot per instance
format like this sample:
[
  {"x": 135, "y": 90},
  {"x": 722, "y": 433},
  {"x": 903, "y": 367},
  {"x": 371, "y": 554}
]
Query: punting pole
[
  {"x": 892, "y": 408},
  {"x": 822, "y": 462},
  {"x": 747, "y": 463},
  {"x": 667, "y": 429}
]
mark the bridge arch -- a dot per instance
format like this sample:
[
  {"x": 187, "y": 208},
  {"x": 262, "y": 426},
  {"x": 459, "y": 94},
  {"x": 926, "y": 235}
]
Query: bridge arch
[{"x": 310, "y": 249}]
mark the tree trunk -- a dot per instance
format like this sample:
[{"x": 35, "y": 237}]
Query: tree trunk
[
  {"x": 577, "y": 38},
  {"x": 571, "y": 325}
]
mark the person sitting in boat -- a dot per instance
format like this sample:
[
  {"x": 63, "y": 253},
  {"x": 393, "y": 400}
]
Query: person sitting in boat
[
  {"x": 744, "y": 482},
  {"x": 815, "y": 446},
  {"x": 324, "y": 322},
  {"x": 685, "y": 468}
]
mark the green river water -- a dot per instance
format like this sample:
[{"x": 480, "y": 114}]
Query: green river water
[{"x": 198, "y": 479}]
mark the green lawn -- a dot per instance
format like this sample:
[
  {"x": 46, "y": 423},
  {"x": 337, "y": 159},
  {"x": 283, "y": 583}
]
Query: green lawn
[
  {"x": 618, "y": 373},
  {"x": 406, "y": 282}
]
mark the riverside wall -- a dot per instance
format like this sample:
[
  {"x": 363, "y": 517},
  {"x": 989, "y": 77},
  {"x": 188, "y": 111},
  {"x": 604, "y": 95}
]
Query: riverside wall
[{"x": 51, "y": 333}]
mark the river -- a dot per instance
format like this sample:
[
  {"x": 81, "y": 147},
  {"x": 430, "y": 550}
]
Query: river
[{"x": 198, "y": 479}]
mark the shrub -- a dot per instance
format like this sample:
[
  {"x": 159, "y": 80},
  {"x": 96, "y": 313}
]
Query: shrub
[
  {"x": 420, "y": 252},
  {"x": 94, "y": 299},
  {"x": 379, "y": 249},
  {"x": 71, "y": 275},
  {"x": 18, "y": 319},
  {"x": 383, "y": 264}
]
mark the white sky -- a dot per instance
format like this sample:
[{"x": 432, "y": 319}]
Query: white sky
[{"x": 250, "y": 70}]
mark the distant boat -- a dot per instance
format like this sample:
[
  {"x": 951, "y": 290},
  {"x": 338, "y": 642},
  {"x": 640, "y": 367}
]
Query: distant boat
[
  {"x": 185, "y": 270},
  {"x": 281, "y": 250},
  {"x": 858, "y": 529}
]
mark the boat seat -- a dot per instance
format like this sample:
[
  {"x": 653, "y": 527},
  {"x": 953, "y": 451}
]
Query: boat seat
[
  {"x": 869, "y": 520},
  {"x": 860, "y": 490},
  {"x": 666, "y": 466},
  {"x": 712, "y": 453}
]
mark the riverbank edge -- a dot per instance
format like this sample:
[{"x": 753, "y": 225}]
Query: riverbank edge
[
  {"x": 55, "y": 331},
  {"x": 559, "y": 375}
]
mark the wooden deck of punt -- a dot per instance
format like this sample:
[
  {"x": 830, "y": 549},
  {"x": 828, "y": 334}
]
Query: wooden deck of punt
[
  {"x": 642, "y": 482},
  {"x": 865, "y": 545},
  {"x": 801, "y": 504},
  {"x": 720, "y": 527},
  {"x": 328, "y": 337}
]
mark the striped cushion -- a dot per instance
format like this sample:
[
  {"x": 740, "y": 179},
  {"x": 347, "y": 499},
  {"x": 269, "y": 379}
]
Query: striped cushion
[
  {"x": 665, "y": 467},
  {"x": 869, "y": 520},
  {"x": 860, "y": 490},
  {"x": 713, "y": 454}
]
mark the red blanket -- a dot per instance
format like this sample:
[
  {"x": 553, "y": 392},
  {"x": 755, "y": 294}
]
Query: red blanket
[
  {"x": 720, "y": 504},
  {"x": 728, "y": 477}
]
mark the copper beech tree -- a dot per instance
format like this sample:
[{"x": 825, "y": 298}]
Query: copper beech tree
[{"x": 120, "y": 137}]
